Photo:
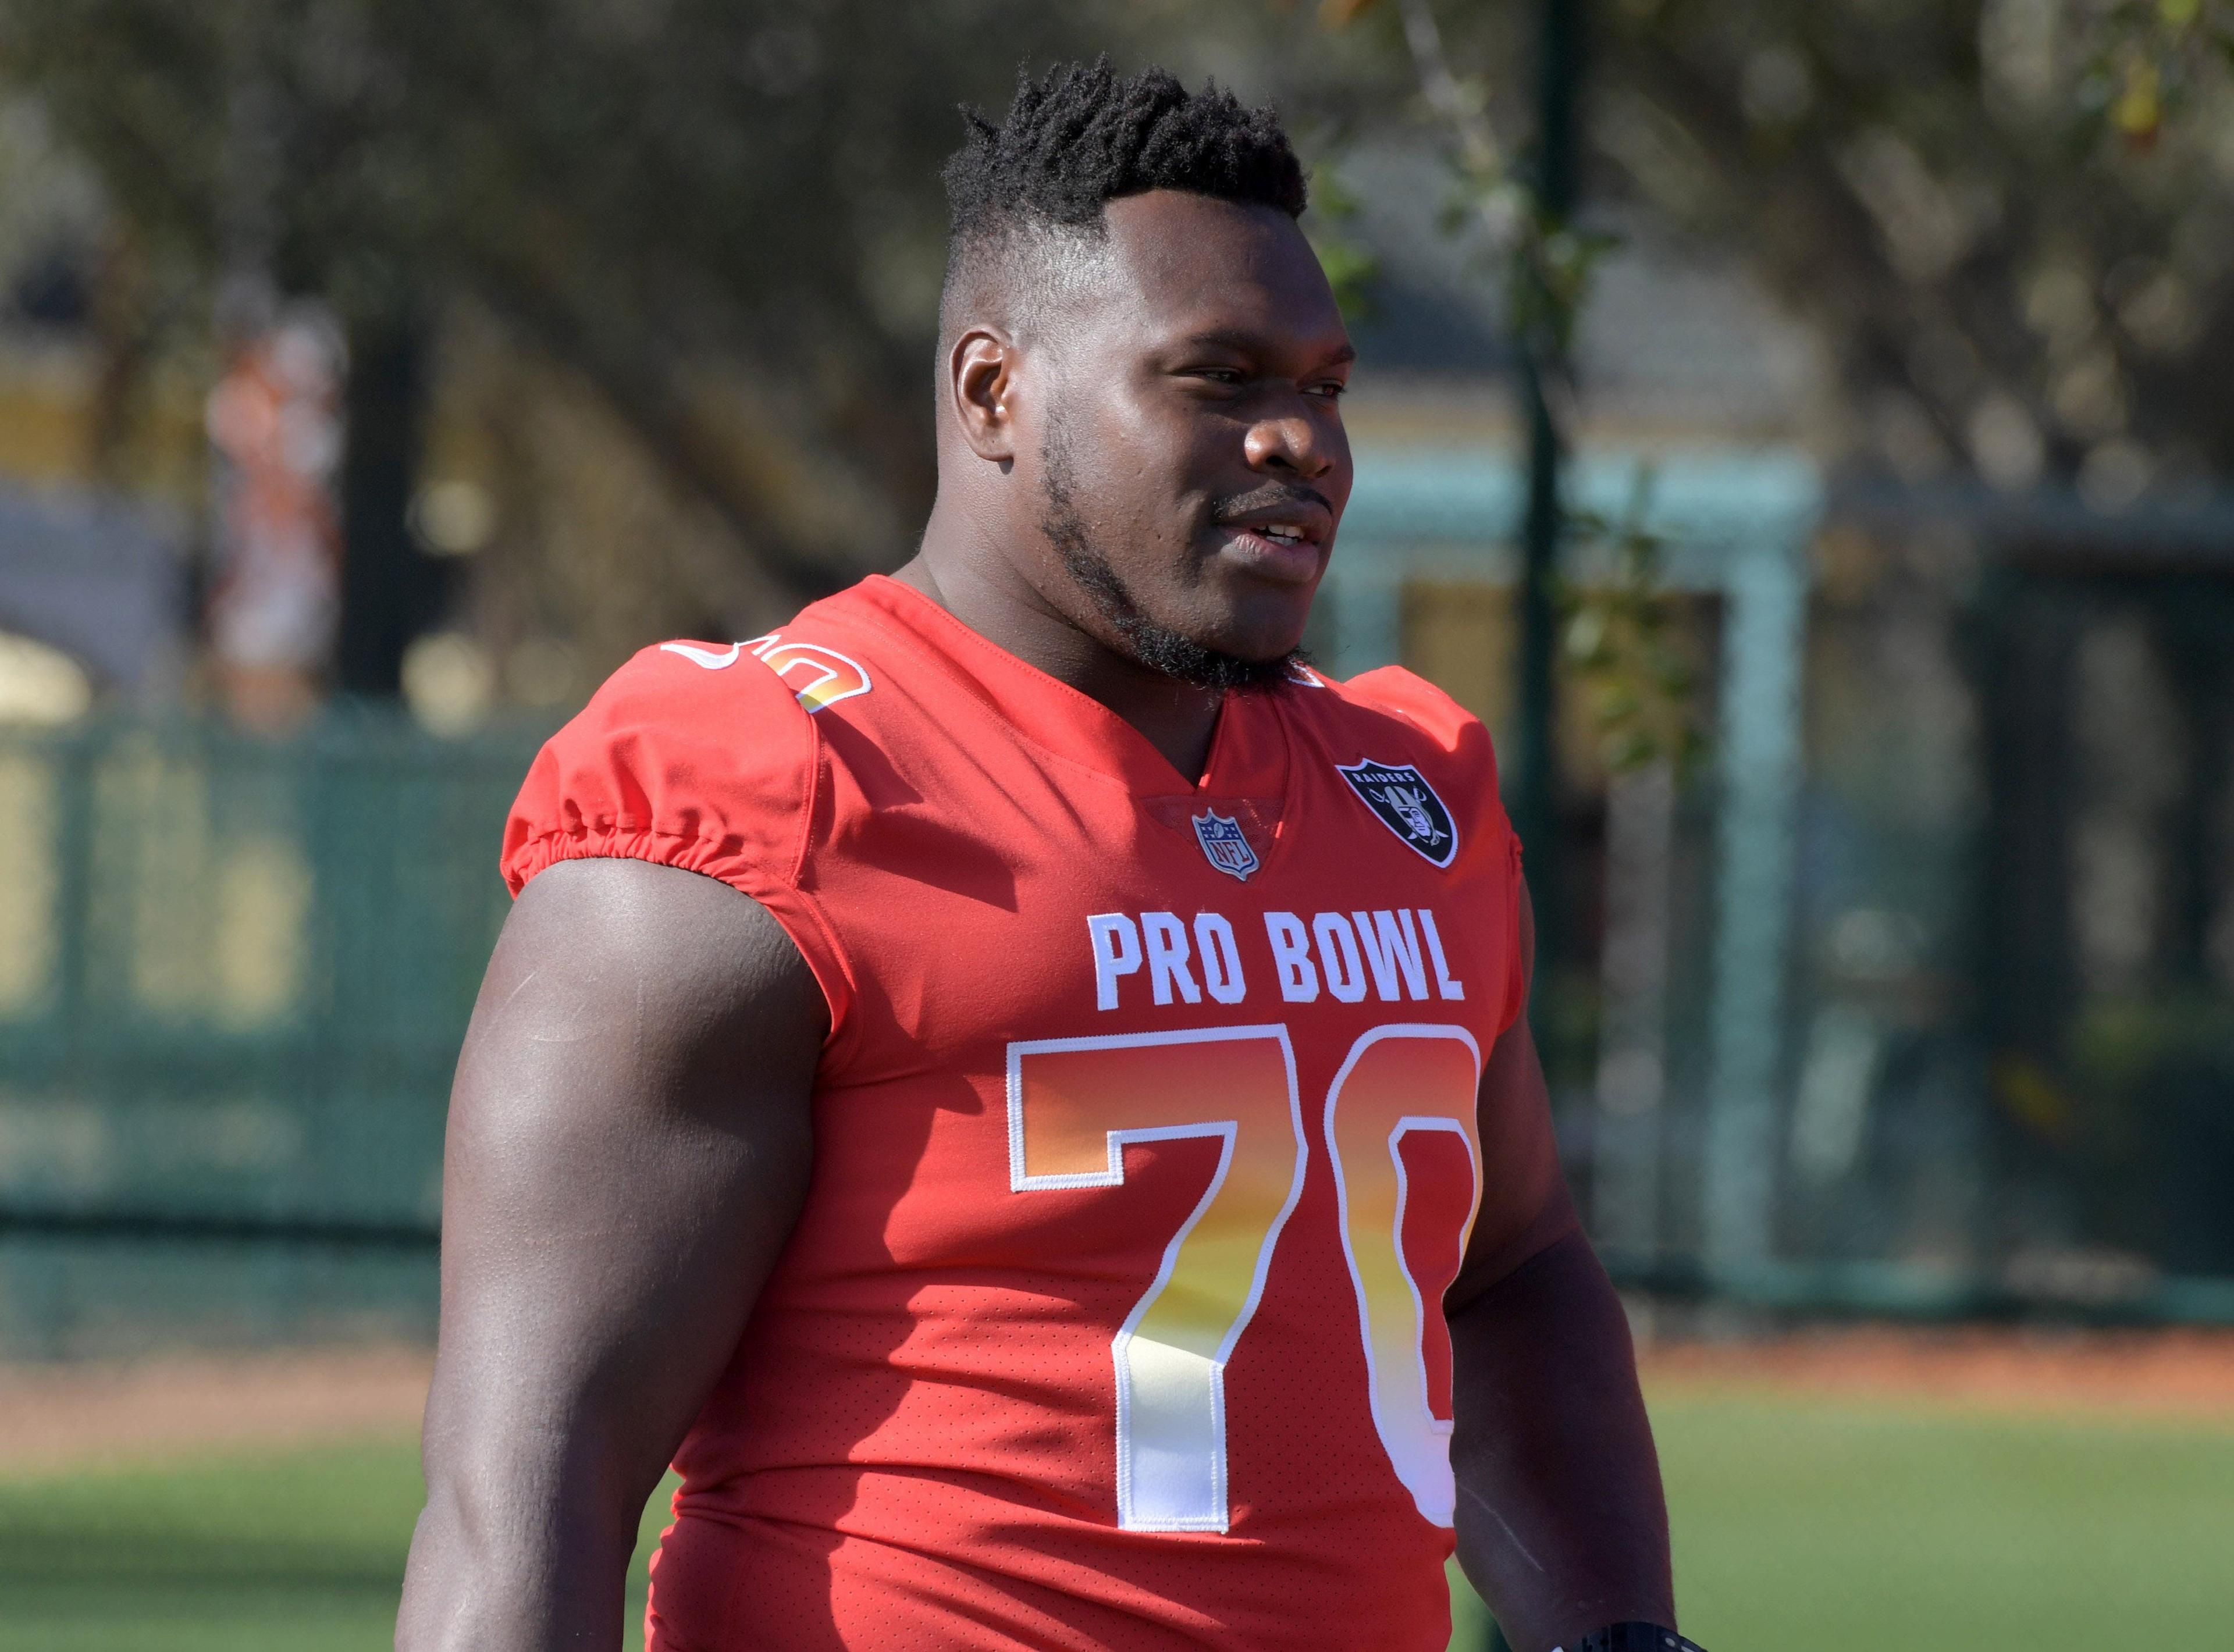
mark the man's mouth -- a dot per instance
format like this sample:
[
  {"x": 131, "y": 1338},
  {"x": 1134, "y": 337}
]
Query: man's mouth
[
  {"x": 1284, "y": 553},
  {"x": 1284, "y": 521}
]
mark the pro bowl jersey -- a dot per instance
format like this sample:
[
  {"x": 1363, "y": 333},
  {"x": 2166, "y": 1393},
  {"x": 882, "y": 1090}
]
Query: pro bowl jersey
[{"x": 1145, "y": 1139}]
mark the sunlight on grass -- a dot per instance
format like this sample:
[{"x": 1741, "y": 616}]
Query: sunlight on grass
[{"x": 1836, "y": 1526}]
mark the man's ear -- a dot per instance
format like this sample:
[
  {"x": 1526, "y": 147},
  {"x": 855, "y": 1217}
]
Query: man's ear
[{"x": 981, "y": 382}]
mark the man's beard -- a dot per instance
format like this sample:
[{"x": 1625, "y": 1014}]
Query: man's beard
[{"x": 1155, "y": 646}]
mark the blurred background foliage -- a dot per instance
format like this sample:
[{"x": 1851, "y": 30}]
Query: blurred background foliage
[
  {"x": 2008, "y": 223},
  {"x": 635, "y": 301},
  {"x": 593, "y": 216},
  {"x": 662, "y": 273}
]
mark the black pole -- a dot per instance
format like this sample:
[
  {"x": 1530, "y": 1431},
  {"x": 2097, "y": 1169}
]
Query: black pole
[
  {"x": 1537, "y": 810},
  {"x": 1537, "y": 795},
  {"x": 391, "y": 589}
]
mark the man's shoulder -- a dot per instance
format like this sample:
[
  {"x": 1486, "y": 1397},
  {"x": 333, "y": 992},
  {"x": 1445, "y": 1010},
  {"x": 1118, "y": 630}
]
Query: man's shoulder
[
  {"x": 1413, "y": 755},
  {"x": 694, "y": 754},
  {"x": 1399, "y": 709},
  {"x": 789, "y": 662},
  {"x": 821, "y": 657}
]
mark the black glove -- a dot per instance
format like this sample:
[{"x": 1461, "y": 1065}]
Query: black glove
[{"x": 1632, "y": 1637}]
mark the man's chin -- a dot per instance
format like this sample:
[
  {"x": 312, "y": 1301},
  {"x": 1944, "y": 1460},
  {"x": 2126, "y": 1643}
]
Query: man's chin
[
  {"x": 1256, "y": 650},
  {"x": 1202, "y": 664}
]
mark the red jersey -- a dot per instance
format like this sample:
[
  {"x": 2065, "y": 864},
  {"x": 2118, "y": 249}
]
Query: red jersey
[{"x": 1145, "y": 1139}]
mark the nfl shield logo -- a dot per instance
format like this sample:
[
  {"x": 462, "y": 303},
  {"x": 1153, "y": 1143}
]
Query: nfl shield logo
[
  {"x": 1224, "y": 844},
  {"x": 1399, "y": 795}
]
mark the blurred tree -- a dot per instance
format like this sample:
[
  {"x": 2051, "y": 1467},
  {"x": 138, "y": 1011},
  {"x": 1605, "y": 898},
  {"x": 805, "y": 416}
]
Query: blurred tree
[
  {"x": 720, "y": 218},
  {"x": 716, "y": 222},
  {"x": 2009, "y": 220}
]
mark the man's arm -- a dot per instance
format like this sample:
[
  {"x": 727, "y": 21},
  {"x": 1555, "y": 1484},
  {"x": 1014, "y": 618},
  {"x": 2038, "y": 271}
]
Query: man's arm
[
  {"x": 1561, "y": 1523},
  {"x": 628, "y": 1148}
]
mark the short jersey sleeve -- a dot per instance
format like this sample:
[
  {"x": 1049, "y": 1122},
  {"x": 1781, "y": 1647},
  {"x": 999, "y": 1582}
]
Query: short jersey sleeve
[
  {"x": 713, "y": 769},
  {"x": 1461, "y": 759}
]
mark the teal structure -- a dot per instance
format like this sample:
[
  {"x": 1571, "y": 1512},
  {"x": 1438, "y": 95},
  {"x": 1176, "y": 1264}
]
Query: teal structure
[{"x": 1738, "y": 525}]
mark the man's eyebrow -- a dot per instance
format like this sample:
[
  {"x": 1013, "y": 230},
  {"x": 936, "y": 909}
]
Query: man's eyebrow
[{"x": 1249, "y": 343}]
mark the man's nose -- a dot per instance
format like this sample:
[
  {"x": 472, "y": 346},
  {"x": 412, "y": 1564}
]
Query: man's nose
[{"x": 1290, "y": 445}]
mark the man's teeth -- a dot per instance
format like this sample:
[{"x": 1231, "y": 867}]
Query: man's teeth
[{"x": 1284, "y": 535}]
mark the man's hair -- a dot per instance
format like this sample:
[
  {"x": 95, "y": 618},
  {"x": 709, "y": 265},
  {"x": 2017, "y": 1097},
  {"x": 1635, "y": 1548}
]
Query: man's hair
[{"x": 1083, "y": 136}]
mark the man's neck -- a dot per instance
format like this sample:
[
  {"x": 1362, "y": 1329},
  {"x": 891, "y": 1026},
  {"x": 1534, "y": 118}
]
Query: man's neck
[{"x": 987, "y": 594}]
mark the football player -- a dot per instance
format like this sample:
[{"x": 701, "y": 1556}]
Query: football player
[{"x": 1013, "y": 1083}]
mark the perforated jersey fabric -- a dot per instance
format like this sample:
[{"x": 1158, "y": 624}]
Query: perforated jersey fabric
[{"x": 1146, "y": 1140}]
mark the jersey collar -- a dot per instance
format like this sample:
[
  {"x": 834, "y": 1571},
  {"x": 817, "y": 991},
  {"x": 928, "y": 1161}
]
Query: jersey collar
[{"x": 1248, "y": 753}]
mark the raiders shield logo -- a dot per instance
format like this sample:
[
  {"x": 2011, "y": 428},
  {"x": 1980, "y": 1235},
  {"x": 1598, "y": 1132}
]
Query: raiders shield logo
[
  {"x": 1225, "y": 845},
  {"x": 1407, "y": 806}
]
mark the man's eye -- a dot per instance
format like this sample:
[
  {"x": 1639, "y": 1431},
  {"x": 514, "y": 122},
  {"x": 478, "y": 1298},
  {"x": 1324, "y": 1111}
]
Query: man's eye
[
  {"x": 1219, "y": 374},
  {"x": 1331, "y": 390}
]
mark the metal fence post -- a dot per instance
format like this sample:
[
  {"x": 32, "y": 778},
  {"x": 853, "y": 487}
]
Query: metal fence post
[{"x": 1764, "y": 638}]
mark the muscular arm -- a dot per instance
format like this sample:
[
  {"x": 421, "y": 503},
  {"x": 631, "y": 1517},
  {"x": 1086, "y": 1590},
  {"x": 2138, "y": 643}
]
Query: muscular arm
[
  {"x": 629, "y": 1145},
  {"x": 1561, "y": 1523}
]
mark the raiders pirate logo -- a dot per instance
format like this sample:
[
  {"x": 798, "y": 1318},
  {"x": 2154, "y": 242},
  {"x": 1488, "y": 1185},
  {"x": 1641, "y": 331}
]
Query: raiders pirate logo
[
  {"x": 1407, "y": 806},
  {"x": 1225, "y": 845}
]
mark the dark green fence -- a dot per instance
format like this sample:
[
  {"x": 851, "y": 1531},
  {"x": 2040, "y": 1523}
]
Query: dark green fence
[{"x": 233, "y": 975}]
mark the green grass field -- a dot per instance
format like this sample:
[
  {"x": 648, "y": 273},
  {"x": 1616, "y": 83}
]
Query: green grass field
[{"x": 1807, "y": 1524}]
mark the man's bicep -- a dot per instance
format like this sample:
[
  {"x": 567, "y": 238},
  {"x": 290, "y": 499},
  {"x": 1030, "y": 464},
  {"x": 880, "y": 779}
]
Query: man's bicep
[
  {"x": 1525, "y": 1202},
  {"x": 628, "y": 1149}
]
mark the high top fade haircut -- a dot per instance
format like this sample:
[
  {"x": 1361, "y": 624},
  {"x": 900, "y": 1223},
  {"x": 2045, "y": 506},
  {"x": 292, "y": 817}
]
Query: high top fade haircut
[{"x": 1027, "y": 192}]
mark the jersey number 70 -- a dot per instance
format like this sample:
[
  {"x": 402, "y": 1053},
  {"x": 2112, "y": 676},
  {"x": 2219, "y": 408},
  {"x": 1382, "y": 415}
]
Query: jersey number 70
[{"x": 1074, "y": 1105}]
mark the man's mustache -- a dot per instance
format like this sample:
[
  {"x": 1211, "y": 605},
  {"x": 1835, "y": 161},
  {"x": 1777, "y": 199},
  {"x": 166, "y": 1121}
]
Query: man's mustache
[{"x": 1271, "y": 496}]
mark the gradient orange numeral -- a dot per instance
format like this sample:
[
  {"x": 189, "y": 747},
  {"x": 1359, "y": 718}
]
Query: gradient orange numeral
[
  {"x": 1398, "y": 1081},
  {"x": 1073, "y": 1104}
]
